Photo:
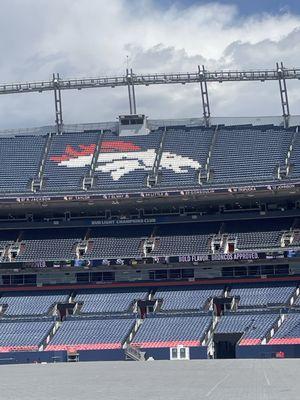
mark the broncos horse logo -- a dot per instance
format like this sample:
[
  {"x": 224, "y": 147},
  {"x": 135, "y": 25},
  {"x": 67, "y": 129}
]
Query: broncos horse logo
[{"x": 119, "y": 158}]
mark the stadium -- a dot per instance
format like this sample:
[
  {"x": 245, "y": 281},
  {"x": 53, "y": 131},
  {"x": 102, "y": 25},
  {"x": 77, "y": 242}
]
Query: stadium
[
  {"x": 155, "y": 253},
  {"x": 151, "y": 239}
]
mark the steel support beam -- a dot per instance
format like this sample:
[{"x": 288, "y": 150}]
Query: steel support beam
[
  {"x": 204, "y": 95},
  {"x": 283, "y": 94},
  {"x": 58, "y": 104},
  {"x": 149, "y": 79},
  {"x": 131, "y": 91}
]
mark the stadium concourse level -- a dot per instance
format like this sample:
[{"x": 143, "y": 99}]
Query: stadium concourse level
[
  {"x": 149, "y": 318},
  {"x": 175, "y": 156},
  {"x": 137, "y": 242}
]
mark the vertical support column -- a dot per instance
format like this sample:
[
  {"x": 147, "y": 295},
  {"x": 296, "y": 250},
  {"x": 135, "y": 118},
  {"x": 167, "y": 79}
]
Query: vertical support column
[
  {"x": 58, "y": 104},
  {"x": 131, "y": 91},
  {"x": 283, "y": 94},
  {"x": 204, "y": 95}
]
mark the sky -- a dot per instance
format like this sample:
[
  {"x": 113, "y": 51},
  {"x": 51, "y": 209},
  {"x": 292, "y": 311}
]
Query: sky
[
  {"x": 84, "y": 38},
  {"x": 246, "y": 7}
]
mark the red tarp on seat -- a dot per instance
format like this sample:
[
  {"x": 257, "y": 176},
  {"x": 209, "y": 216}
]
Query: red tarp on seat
[
  {"x": 284, "y": 341},
  {"x": 187, "y": 343},
  {"x": 84, "y": 346},
  {"x": 249, "y": 342},
  {"x": 6, "y": 349}
]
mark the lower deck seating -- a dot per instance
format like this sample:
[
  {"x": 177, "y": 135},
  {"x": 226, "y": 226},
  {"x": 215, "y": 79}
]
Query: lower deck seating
[
  {"x": 288, "y": 332},
  {"x": 179, "y": 322},
  {"x": 91, "y": 334},
  {"x": 23, "y": 335},
  {"x": 297, "y": 301},
  {"x": 252, "y": 327},
  {"x": 172, "y": 331}
]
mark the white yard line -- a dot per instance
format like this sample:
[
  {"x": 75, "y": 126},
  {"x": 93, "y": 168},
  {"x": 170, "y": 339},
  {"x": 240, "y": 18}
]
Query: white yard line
[
  {"x": 267, "y": 379},
  {"x": 216, "y": 385}
]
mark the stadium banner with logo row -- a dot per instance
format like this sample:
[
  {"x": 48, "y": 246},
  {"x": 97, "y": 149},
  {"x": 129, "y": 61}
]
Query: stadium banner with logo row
[
  {"x": 194, "y": 259},
  {"x": 151, "y": 194}
]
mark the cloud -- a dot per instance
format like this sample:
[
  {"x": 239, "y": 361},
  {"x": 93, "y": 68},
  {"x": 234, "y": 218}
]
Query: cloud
[{"x": 94, "y": 37}]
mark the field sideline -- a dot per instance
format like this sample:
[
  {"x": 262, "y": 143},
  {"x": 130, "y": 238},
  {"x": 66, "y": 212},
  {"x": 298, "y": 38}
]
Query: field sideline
[{"x": 195, "y": 380}]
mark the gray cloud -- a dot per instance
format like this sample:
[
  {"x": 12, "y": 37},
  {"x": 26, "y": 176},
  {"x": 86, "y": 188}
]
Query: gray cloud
[{"x": 94, "y": 37}]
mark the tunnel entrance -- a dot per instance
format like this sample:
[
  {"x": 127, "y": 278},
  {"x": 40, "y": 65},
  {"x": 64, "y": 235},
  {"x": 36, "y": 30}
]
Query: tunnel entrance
[{"x": 225, "y": 344}]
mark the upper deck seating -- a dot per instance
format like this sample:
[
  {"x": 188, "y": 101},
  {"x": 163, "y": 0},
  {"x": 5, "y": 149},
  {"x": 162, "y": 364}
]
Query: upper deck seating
[
  {"x": 125, "y": 162},
  {"x": 248, "y": 155},
  {"x": 68, "y": 161},
  {"x": 20, "y": 158},
  {"x": 239, "y": 156},
  {"x": 295, "y": 157},
  {"x": 187, "y": 150}
]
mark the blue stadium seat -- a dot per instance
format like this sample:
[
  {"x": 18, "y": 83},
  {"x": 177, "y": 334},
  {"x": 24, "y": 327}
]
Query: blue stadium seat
[
  {"x": 186, "y": 299},
  {"x": 253, "y": 327},
  {"x": 20, "y": 158},
  {"x": 289, "y": 331},
  {"x": 245, "y": 156},
  {"x": 108, "y": 302},
  {"x": 263, "y": 296},
  {"x": 172, "y": 331},
  {"x": 59, "y": 178},
  {"x": 91, "y": 334},
  {"x": 23, "y": 335},
  {"x": 35, "y": 304}
]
